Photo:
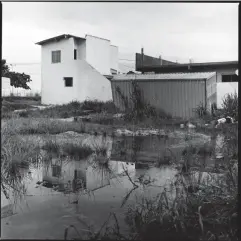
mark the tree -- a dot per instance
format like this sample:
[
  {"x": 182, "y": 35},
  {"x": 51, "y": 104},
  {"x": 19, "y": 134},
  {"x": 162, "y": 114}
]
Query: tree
[{"x": 16, "y": 79}]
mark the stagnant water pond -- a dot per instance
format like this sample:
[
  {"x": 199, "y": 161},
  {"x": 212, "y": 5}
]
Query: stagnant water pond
[{"x": 61, "y": 191}]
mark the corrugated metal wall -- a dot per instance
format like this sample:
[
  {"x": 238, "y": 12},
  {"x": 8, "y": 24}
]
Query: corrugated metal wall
[{"x": 176, "y": 97}]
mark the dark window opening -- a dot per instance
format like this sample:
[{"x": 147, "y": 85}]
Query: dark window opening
[
  {"x": 68, "y": 81},
  {"x": 56, "y": 171},
  {"x": 230, "y": 78},
  {"x": 56, "y": 56},
  {"x": 75, "y": 54}
]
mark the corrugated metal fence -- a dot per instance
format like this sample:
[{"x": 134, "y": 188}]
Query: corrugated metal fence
[{"x": 176, "y": 97}]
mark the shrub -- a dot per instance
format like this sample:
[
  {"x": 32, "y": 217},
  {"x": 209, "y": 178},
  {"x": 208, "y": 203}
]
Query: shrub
[{"x": 230, "y": 105}]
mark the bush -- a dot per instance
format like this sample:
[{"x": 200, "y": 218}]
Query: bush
[
  {"x": 99, "y": 106},
  {"x": 230, "y": 105}
]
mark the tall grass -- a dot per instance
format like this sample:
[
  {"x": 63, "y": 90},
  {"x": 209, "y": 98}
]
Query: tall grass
[
  {"x": 45, "y": 126},
  {"x": 17, "y": 155}
]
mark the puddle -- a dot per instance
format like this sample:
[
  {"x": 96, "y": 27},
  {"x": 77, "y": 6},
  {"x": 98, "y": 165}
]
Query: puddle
[{"x": 60, "y": 190}]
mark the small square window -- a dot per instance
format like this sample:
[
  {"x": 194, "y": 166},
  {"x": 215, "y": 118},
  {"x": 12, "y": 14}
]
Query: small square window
[
  {"x": 75, "y": 54},
  {"x": 68, "y": 81},
  {"x": 56, "y": 56}
]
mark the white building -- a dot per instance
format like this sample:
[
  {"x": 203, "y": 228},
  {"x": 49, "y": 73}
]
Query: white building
[{"x": 75, "y": 68}]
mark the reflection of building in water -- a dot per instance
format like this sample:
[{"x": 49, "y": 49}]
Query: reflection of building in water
[
  {"x": 64, "y": 174},
  {"x": 139, "y": 148}
]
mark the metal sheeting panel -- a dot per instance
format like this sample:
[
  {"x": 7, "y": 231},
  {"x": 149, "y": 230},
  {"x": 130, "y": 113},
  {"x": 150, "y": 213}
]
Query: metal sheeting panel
[{"x": 176, "y": 97}]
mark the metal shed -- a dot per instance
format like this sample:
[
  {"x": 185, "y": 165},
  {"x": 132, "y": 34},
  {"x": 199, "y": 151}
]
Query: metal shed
[{"x": 178, "y": 94}]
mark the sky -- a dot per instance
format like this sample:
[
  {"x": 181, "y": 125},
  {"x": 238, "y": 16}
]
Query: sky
[{"x": 205, "y": 32}]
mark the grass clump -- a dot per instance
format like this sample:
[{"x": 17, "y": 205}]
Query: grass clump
[
  {"x": 99, "y": 106},
  {"x": 230, "y": 105},
  {"x": 47, "y": 126},
  {"x": 51, "y": 146},
  {"x": 78, "y": 151}
]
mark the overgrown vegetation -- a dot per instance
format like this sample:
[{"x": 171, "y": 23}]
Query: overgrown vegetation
[
  {"x": 196, "y": 205},
  {"x": 136, "y": 109},
  {"x": 16, "y": 153},
  {"x": 230, "y": 105}
]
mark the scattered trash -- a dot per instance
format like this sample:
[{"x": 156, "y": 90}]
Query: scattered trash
[
  {"x": 182, "y": 126},
  {"x": 190, "y": 125},
  {"x": 227, "y": 120}
]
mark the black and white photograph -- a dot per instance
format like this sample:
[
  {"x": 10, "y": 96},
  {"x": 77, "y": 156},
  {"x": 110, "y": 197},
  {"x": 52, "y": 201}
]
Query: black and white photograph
[{"x": 119, "y": 121}]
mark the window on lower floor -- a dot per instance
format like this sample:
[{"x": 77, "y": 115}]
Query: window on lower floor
[
  {"x": 68, "y": 81},
  {"x": 229, "y": 78}
]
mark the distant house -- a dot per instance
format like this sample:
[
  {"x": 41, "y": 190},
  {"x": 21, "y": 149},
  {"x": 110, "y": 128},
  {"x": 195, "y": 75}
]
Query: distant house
[
  {"x": 75, "y": 68},
  {"x": 178, "y": 89}
]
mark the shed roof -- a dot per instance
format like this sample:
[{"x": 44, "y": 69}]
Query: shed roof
[{"x": 172, "y": 76}]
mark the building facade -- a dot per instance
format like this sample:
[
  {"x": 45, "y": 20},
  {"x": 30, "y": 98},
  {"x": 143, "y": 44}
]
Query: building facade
[
  {"x": 178, "y": 89},
  {"x": 178, "y": 94},
  {"x": 75, "y": 69}
]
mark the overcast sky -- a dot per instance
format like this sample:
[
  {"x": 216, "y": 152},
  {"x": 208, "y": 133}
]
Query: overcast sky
[{"x": 177, "y": 31}]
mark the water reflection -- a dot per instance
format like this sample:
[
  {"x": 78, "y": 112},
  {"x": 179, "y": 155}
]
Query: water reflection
[{"x": 138, "y": 155}]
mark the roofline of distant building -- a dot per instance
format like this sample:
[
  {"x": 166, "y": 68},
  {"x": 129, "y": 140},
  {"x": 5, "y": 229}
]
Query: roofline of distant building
[
  {"x": 58, "y": 38},
  {"x": 64, "y": 36},
  {"x": 186, "y": 66},
  {"x": 96, "y": 37}
]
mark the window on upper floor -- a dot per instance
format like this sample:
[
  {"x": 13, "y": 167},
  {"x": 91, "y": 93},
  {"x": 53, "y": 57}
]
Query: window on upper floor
[
  {"x": 75, "y": 53},
  {"x": 68, "y": 81},
  {"x": 56, "y": 56},
  {"x": 229, "y": 78}
]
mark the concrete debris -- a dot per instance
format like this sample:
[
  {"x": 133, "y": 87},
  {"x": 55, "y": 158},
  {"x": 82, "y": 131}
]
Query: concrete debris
[
  {"x": 140, "y": 132},
  {"x": 181, "y": 126},
  {"x": 70, "y": 134},
  {"x": 42, "y": 107},
  {"x": 124, "y": 132},
  {"x": 119, "y": 115}
]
